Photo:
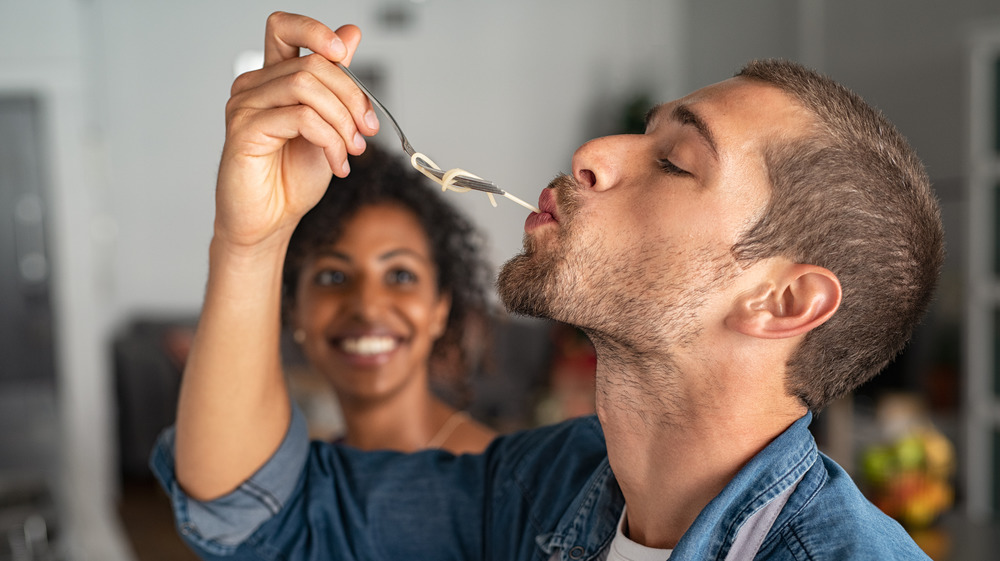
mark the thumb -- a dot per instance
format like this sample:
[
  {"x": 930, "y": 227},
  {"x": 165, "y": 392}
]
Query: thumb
[{"x": 351, "y": 36}]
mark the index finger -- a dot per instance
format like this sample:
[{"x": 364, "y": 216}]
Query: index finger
[{"x": 286, "y": 33}]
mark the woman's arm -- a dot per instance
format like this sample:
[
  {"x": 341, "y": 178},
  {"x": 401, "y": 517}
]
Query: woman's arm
[
  {"x": 233, "y": 410},
  {"x": 288, "y": 127}
]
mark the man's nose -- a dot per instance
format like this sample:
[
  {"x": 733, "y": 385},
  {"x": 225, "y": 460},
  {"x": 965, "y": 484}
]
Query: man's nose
[{"x": 601, "y": 163}]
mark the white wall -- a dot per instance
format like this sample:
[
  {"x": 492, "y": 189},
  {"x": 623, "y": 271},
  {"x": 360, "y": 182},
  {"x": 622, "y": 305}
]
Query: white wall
[
  {"x": 725, "y": 34},
  {"x": 44, "y": 52},
  {"x": 517, "y": 81}
]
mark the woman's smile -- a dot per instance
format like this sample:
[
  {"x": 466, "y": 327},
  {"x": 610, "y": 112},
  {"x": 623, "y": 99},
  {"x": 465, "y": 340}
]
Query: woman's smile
[{"x": 369, "y": 304}]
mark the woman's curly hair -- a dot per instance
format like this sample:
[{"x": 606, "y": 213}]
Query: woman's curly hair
[{"x": 457, "y": 250}]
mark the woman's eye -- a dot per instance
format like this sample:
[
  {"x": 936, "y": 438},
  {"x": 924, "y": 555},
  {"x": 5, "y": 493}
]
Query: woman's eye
[
  {"x": 330, "y": 278},
  {"x": 401, "y": 276},
  {"x": 669, "y": 167}
]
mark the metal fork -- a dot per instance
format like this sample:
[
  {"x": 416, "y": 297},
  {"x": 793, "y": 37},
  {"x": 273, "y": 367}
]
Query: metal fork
[{"x": 460, "y": 181}]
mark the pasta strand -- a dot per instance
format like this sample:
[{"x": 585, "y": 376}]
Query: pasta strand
[{"x": 447, "y": 182}]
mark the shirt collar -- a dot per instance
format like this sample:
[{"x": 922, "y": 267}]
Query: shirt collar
[
  {"x": 767, "y": 475},
  {"x": 589, "y": 524}
]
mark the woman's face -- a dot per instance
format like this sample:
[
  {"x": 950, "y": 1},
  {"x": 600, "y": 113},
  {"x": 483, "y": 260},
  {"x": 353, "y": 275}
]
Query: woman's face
[{"x": 369, "y": 306}]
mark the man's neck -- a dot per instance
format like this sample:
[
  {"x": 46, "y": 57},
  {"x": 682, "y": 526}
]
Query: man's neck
[{"x": 674, "y": 449}]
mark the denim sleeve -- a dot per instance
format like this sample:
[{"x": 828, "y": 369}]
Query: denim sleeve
[
  {"x": 327, "y": 501},
  {"x": 221, "y": 525}
]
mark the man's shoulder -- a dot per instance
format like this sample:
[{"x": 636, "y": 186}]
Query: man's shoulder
[{"x": 834, "y": 520}]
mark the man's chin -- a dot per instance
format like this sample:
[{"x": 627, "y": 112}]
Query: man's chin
[{"x": 521, "y": 285}]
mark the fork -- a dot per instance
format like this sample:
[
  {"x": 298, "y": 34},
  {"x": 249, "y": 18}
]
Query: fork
[{"x": 461, "y": 181}]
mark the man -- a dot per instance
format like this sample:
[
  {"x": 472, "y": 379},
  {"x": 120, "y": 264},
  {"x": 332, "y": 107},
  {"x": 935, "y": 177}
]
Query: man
[{"x": 766, "y": 246}]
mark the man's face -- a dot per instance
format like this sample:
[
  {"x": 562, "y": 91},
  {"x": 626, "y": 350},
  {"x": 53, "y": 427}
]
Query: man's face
[{"x": 635, "y": 245}]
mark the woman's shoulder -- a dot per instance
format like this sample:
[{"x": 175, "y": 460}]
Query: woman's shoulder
[{"x": 574, "y": 442}]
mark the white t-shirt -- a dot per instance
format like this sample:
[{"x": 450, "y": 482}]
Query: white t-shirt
[{"x": 622, "y": 548}]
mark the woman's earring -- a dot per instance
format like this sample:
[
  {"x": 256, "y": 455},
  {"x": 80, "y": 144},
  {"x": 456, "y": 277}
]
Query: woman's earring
[{"x": 299, "y": 335}]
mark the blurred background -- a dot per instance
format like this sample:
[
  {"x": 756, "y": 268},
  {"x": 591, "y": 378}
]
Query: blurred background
[{"x": 111, "y": 125}]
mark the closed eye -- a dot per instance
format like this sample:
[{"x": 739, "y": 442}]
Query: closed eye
[{"x": 669, "y": 167}]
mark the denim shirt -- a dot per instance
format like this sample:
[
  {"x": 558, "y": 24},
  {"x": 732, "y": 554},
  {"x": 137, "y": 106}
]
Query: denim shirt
[{"x": 535, "y": 495}]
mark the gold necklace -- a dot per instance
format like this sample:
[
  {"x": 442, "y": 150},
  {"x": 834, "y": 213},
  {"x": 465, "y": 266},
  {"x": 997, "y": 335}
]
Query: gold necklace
[{"x": 449, "y": 426}]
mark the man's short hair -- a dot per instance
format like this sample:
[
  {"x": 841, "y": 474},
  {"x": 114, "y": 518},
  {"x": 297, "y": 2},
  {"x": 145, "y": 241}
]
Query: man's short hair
[{"x": 853, "y": 197}]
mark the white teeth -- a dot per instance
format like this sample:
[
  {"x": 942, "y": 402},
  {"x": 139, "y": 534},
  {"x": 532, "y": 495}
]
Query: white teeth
[{"x": 368, "y": 345}]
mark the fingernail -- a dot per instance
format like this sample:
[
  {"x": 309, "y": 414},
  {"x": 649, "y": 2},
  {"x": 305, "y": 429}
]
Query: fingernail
[
  {"x": 346, "y": 168},
  {"x": 371, "y": 119},
  {"x": 359, "y": 141},
  {"x": 337, "y": 48}
]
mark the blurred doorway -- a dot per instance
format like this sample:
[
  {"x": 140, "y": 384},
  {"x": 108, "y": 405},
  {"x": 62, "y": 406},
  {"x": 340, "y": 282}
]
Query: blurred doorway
[
  {"x": 29, "y": 428},
  {"x": 26, "y": 346}
]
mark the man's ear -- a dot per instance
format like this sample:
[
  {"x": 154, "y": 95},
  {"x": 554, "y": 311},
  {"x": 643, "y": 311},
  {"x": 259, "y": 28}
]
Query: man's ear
[{"x": 800, "y": 298}]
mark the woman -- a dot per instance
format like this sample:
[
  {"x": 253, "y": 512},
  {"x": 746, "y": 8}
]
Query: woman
[{"x": 383, "y": 289}]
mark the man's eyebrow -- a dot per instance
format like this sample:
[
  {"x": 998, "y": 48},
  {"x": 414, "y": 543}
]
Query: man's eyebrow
[
  {"x": 652, "y": 113},
  {"x": 685, "y": 116}
]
